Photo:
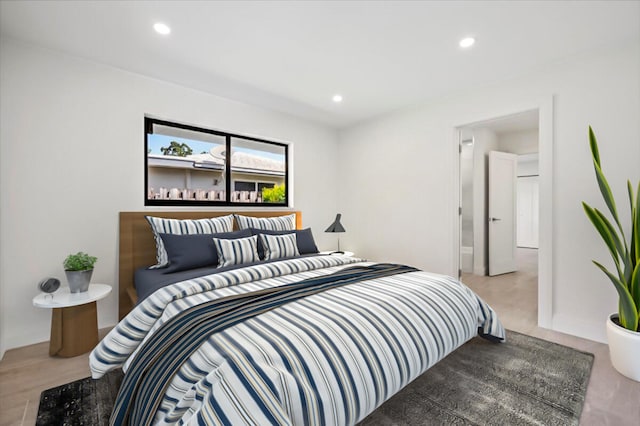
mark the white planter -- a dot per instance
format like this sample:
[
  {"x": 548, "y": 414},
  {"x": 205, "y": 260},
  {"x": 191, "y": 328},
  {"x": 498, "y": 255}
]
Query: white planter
[{"x": 624, "y": 349}]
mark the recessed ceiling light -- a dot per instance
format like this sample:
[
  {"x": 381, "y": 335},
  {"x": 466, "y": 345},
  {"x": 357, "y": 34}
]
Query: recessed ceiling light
[
  {"x": 337, "y": 98},
  {"x": 161, "y": 28},
  {"x": 467, "y": 42}
]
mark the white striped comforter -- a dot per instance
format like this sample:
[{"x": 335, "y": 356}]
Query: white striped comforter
[{"x": 334, "y": 356}]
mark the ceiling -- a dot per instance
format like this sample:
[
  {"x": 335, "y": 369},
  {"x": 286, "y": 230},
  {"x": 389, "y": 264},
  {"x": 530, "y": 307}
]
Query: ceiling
[{"x": 294, "y": 56}]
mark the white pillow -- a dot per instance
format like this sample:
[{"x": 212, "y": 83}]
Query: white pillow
[
  {"x": 277, "y": 223},
  {"x": 160, "y": 225},
  {"x": 277, "y": 246},
  {"x": 237, "y": 251}
]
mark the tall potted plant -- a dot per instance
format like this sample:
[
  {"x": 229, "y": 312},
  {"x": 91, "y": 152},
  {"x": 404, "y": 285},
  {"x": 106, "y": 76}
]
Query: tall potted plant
[{"x": 623, "y": 330}]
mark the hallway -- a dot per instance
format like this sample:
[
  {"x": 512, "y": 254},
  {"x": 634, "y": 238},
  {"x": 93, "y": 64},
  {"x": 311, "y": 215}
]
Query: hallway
[{"x": 515, "y": 295}]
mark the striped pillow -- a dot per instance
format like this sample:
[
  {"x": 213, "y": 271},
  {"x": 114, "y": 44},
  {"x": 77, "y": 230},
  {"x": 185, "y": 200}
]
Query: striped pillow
[
  {"x": 236, "y": 252},
  {"x": 160, "y": 225},
  {"x": 277, "y": 246},
  {"x": 278, "y": 223}
]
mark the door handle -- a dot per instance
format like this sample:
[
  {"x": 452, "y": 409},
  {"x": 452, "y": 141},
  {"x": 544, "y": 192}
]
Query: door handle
[{"x": 494, "y": 219}]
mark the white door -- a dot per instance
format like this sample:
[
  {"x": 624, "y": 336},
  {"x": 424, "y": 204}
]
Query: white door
[
  {"x": 527, "y": 223},
  {"x": 503, "y": 168}
]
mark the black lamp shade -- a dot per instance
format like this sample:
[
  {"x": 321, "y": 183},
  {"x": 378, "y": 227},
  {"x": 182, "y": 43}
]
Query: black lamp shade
[{"x": 336, "y": 226}]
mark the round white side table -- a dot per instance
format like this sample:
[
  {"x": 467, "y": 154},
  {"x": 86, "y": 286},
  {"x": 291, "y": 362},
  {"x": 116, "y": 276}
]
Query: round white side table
[{"x": 74, "y": 319}]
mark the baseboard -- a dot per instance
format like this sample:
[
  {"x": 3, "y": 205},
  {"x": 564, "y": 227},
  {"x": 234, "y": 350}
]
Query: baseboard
[{"x": 102, "y": 331}]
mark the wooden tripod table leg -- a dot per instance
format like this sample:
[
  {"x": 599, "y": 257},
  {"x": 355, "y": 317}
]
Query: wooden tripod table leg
[{"x": 74, "y": 330}]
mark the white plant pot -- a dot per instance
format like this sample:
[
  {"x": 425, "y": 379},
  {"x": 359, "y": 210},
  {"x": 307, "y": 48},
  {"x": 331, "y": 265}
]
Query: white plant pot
[{"x": 624, "y": 349}]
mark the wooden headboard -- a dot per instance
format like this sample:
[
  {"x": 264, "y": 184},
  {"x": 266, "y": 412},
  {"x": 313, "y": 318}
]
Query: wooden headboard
[{"x": 138, "y": 248}]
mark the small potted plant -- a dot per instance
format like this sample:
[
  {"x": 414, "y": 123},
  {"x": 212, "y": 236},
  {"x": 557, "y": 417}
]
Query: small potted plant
[
  {"x": 79, "y": 268},
  {"x": 623, "y": 328}
]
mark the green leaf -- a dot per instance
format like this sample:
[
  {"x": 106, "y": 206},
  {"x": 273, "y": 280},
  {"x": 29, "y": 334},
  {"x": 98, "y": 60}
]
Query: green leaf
[
  {"x": 632, "y": 245},
  {"x": 634, "y": 286},
  {"x": 79, "y": 262},
  {"x": 627, "y": 308},
  {"x": 274, "y": 195},
  {"x": 630, "y": 191},
  {"x": 635, "y": 237},
  {"x": 603, "y": 230},
  {"x": 621, "y": 249},
  {"x": 593, "y": 143},
  {"x": 605, "y": 190}
]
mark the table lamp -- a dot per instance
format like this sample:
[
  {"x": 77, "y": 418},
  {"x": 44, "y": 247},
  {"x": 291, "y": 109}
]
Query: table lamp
[{"x": 337, "y": 227}]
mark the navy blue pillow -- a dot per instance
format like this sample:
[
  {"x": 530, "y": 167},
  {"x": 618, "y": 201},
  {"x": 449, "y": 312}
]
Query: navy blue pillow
[
  {"x": 304, "y": 239},
  {"x": 190, "y": 251}
]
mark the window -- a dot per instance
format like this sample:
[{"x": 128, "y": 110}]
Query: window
[
  {"x": 192, "y": 166},
  {"x": 244, "y": 186},
  {"x": 262, "y": 185},
  {"x": 240, "y": 185}
]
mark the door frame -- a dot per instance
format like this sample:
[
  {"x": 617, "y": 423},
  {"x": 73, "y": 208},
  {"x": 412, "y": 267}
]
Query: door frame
[{"x": 544, "y": 105}]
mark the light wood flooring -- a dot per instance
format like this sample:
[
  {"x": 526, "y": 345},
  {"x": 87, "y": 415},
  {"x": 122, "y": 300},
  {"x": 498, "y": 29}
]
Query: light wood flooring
[
  {"x": 611, "y": 398},
  {"x": 26, "y": 372}
]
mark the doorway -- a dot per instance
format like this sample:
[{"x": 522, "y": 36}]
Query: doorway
[{"x": 514, "y": 141}]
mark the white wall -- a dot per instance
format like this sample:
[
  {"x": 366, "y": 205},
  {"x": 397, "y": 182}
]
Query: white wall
[
  {"x": 467, "y": 185},
  {"x": 528, "y": 165},
  {"x": 72, "y": 157},
  {"x": 466, "y": 195},
  {"x": 408, "y": 214},
  {"x": 519, "y": 142}
]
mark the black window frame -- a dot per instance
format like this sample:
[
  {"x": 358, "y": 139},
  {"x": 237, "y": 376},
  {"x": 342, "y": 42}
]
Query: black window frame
[{"x": 148, "y": 126}]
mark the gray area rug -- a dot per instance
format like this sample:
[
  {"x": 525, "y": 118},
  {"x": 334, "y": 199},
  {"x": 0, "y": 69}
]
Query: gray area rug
[
  {"x": 83, "y": 402},
  {"x": 525, "y": 381}
]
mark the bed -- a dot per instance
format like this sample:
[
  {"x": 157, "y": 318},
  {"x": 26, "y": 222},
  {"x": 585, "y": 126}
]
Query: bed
[{"x": 313, "y": 339}]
